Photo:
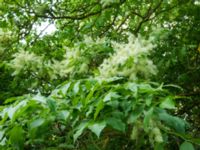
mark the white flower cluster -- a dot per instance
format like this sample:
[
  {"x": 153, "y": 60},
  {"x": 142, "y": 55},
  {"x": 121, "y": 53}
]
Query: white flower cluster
[
  {"x": 129, "y": 60},
  {"x": 24, "y": 60},
  {"x": 89, "y": 41},
  {"x": 68, "y": 65}
]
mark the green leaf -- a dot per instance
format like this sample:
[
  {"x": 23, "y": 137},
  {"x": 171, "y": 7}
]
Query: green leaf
[
  {"x": 91, "y": 94},
  {"x": 132, "y": 86},
  {"x": 97, "y": 127},
  {"x": 116, "y": 124},
  {"x": 16, "y": 137},
  {"x": 63, "y": 115},
  {"x": 79, "y": 130},
  {"x": 168, "y": 103},
  {"x": 52, "y": 104},
  {"x": 39, "y": 98},
  {"x": 12, "y": 111},
  {"x": 65, "y": 88},
  {"x": 135, "y": 114},
  {"x": 40, "y": 127},
  {"x": 76, "y": 87},
  {"x": 66, "y": 146},
  {"x": 159, "y": 146},
  {"x": 186, "y": 146},
  {"x": 174, "y": 122},
  {"x": 148, "y": 100},
  {"x": 12, "y": 99},
  {"x": 1, "y": 134},
  {"x": 100, "y": 106},
  {"x": 110, "y": 95},
  {"x": 147, "y": 118},
  {"x": 146, "y": 88},
  {"x": 36, "y": 123}
]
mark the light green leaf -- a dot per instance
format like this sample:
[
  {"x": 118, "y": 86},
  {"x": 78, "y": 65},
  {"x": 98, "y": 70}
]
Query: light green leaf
[
  {"x": 65, "y": 88},
  {"x": 168, "y": 103},
  {"x": 187, "y": 146},
  {"x": 36, "y": 123},
  {"x": 91, "y": 94},
  {"x": 133, "y": 87},
  {"x": 12, "y": 99},
  {"x": 148, "y": 100},
  {"x": 12, "y": 110},
  {"x": 76, "y": 87},
  {"x": 97, "y": 127},
  {"x": 147, "y": 118},
  {"x": 79, "y": 130},
  {"x": 64, "y": 114},
  {"x": 99, "y": 107},
  {"x": 1, "y": 134},
  {"x": 39, "y": 98},
  {"x": 3, "y": 141},
  {"x": 110, "y": 95}
]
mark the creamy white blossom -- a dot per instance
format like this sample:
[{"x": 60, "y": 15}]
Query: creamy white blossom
[
  {"x": 24, "y": 60},
  {"x": 129, "y": 60}
]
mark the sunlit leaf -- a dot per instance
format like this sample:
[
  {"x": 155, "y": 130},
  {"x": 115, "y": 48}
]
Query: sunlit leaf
[
  {"x": 168, "y": 103},
  {"x": 76, "y": 87},
  {"x": 110, "y": 95},
  {"x": 97, "y": 127},
  {"x": 36, "y": 123},
  {"x": 79, "y": 130},
  {"x": 64, "y": 114}
]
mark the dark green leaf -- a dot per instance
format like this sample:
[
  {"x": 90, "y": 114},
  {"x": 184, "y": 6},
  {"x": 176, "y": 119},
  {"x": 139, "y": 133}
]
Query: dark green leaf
[
  {"x": 116, "y": 124},
  {"x": 148, "y": 116},
  {"x": 16, "y": 137},
  {"x": 174, "y": 122},
  {"x": 99, "y": 107},
  {"x": 186, "y": 146}
]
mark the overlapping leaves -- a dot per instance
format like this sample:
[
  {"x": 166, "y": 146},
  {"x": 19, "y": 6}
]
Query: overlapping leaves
[{"x": 77, "y": 109}]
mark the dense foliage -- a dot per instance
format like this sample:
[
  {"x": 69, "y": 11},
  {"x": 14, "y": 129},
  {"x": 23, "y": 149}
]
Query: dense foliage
[{"x": 114, "y": 74}]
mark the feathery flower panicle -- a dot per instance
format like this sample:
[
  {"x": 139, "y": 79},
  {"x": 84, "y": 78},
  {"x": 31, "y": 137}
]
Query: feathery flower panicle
[
  {"x": 129, "y": 60},
  {"x": 25, "y": 60}
]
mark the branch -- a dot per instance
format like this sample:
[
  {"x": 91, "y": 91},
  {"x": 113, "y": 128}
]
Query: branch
[
  {"x": 137, "y": 14},
  {"x": 41, "y": 32},
  {"x": 123, "y": 21},
  {"x": 77, "y": 17},
  {"x": 109, "y": 25},
  {"x": 147, "y": 16}
]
